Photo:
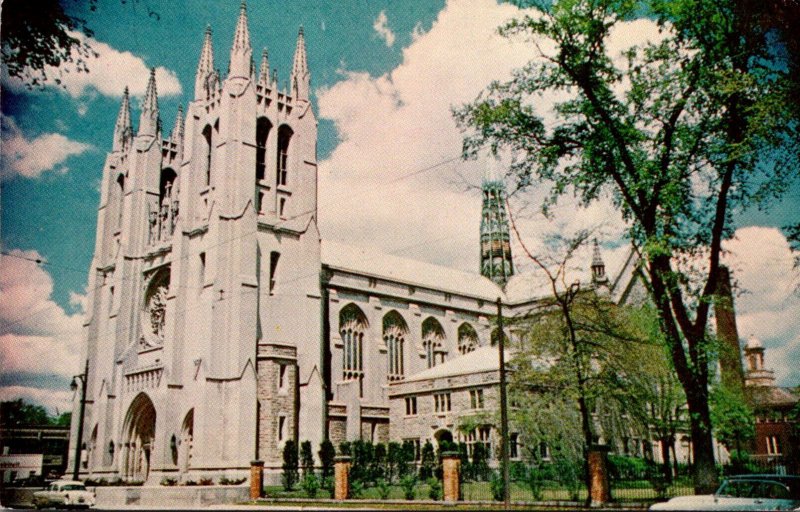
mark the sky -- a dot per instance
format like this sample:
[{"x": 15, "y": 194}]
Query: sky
[{"x": 385, "y": 77}]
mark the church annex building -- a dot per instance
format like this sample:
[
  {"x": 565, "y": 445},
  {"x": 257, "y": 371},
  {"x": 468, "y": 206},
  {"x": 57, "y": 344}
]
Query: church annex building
[{"x": 220, "y": 325}]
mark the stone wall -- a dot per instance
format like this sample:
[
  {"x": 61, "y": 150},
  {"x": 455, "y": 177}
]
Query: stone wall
[{"x": 277, "y": 398}]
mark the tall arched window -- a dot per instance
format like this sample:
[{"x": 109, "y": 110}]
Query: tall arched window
[
  {"x": 394, "y": 335},
  {"x": 432, "y": 342},
  {"x": 263, "y": 127},
  {"x": 166, "y": 185},
  {"x": 352, "y": 325},
  {"x": 120, "y": 199},
  {"x": 209, "y": 138},
  {"x": 467, "y": 338},
  {"x": 284, "y": 138}
]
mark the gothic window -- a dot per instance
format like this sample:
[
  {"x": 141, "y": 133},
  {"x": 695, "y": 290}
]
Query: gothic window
[
  {"x": 352, "y": 325},
  {"x": 274, "y": 256},
  {"x": 120, "y": 199},
  {"x": 153, "y": 316},
  {"x": 167, "y": 213},
  {"x": 467, "y": 338},
  {"x": 432, "y": 342},
  {"x": 394, "y": 335},
  {"x": 208, "y": 136},
  {"x": 263, "y": 127},
  {"x": 284, "y": 138},
  {"x": 476, "y": 398},
  {"x": 201, "y": 277}
]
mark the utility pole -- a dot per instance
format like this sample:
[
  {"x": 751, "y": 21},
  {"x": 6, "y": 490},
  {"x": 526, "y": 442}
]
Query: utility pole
[
  {"x": 503, "y": 408},
  {"x": 74, "y": 385}
]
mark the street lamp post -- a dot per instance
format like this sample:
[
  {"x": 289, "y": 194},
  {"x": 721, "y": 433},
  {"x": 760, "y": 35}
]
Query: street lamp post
[{"x": 84, "y": 378}]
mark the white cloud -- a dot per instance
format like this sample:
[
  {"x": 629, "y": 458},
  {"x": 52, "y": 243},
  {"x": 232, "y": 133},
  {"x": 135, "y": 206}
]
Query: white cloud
[
  {"x": 768, "y": 306},
  {"x": 36, "y": 335},
  {"x": 32, "y": 157},
  {"x": 109, "y": 72},
  {"x": 381, "y": 26}
]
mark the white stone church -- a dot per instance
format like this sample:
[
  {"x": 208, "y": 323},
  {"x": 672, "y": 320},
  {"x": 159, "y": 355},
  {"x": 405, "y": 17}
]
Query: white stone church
[{"x": 219, "y": 323}]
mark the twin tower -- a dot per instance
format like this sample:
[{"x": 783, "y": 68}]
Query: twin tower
[{"x": 197, "y": 360}]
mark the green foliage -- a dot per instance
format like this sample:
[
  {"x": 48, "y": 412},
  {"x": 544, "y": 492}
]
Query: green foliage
[
  {"x": 733, "y": 419},
  {"x": 383, "y": 487},
  {"x": 345, "y": 448},
  {"x": 326, "y": 455},
  {"x": 19, "y": 412},
  {"x": 498, "y": 486},
  {"x": 409, "y": 484},
  {"x": 310, "y": 484},
  {"x": 169, "y": 482},
  {"x": 480, "y": 462},
  {"x": 356, "y": 489},
  {"x": 306, "y": 458},
  {"x": 428, "y": 462},
  {"x": 290, "y": 465},
  {"x": 434, "y": 489},
  {"x": 379, "y": 463},
  {"x": 534, "y": 479},
  {"x": 395, "y": 462}
]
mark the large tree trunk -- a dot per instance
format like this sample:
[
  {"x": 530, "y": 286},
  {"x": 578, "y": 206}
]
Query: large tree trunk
[
  {"x": 666, "y": 442},
  {"x": 704, "y": 468}
]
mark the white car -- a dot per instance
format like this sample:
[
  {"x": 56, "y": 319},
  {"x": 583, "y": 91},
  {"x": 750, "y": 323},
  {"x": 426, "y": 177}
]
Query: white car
[
  {"x": 746, "y": 492},
  {"x": 64, "y": 493}
]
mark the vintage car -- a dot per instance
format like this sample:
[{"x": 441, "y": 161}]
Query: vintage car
[
  {"x": 745, "y": 492},
  {"x": 64, "y": 493}
]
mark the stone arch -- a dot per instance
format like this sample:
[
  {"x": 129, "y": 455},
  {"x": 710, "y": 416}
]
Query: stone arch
[
  {"x": 138, "y": 435},
  {"x": 395, "y": 331},
  {"x": 445, "y": 436},
  {"x": 433, "y": 341},
  {"x": 352, "y": 326},
  {"x": 208, "y": 136},
  {"x": 186, "y": 442},
  {"x": 166, "y": 184},
  {"x": 154, "y": 309},
  {"x": 119, "y": 199},
  {"x": 467, "y": 338}
]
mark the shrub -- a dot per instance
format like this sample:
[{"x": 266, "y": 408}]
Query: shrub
[
  {"x": 434, "y": 489},
  {"x": 290, "y": 464},
  {"x": 326, "y": 455},
  {"x": 306, "y": 458},
  {"x": 409, "y": 484},
  {"x": 189, "y": 483},
  {"x": 345, "y": 448},
  {"x": 480, "y": 464},
  {"x": 310, "y": 484},
  {"x": 379, "y": 462},
  {"x": 394, "y": 460},
  {"x": 428, "y": 463},
  {"x": 169, "y": 482},
  {"x": 383, "y": 488},
  {"x": 206, "y": 481},
  {"x": 231, "y": 481},
  {"x": 356, "y": 489},
  {"x": 534, "y": 479},
  {"x": 498, "y": 486}
]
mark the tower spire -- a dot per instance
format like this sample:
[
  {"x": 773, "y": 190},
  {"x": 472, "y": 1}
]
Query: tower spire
[
  {"x": 205, "y": 67},
  {"x": 241, "y": 64},
  {"x": 149, "y": 121},
  {"x": 177, "y": 128},
  {"x": 300, "y": 80},
  {"x": 263, "y": 76},
  {"x": 123, "y": 130},
  {"x": 496, "y": 262},
  {"x": 598, "y": 266}
]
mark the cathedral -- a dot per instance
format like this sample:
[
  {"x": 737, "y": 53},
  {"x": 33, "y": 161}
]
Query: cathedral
[{"x": 220, "y": 325}]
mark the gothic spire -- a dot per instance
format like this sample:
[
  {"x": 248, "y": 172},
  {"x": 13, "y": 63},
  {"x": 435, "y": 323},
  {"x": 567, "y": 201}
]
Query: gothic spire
[
  {"x": 300, "y": 80},
  {"x": 205, "y": 67},
  {"x": 496, "y": 262},
  {"x": 598, "y": 267},
  {"x": 149, "y": 121},
  {"x": 241, "y": 52},
  {"x": 177, "y": 128},
  {"x": 263, "y": 76},
  {"x": 123, "y": 129}
]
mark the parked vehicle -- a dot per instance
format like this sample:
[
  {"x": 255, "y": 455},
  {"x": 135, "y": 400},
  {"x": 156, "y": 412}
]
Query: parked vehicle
[
  {"x": 64, "y": 493},
  {"x": 745, "y": 492}
]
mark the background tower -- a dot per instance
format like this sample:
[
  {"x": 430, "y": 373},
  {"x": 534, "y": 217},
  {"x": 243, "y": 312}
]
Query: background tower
[{"x": 496, "y": 263}]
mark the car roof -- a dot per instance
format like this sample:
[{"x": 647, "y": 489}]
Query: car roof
[
  {"x": 779, "y": 478},
  {"x": 64, "y": 482}
]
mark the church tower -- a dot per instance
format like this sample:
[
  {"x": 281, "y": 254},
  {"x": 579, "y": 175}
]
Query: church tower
[
  {"x": 203, "y": 329},
  {"x": 496, "y": 263}
]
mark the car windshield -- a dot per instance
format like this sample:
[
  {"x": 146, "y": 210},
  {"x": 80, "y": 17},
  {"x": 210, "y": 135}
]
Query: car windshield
[
  {"x": 73, "y": 487},
  {"x": 765, "y": 489}
]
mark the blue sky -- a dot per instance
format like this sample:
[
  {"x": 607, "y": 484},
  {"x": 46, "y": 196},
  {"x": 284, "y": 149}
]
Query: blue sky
[{"x": 384, "y": 76}]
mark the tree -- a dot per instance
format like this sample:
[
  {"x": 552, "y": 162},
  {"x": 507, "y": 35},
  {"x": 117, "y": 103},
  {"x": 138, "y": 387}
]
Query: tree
[
  {"x": 41, "y": 35},
  {"x": 326, "y": 453},
  {"x": 680, "y": 133},
  {"x": 733, "y": 420},
  {"x": 428, "y": 463},
  {"x": 290, "y": 465},
  {"x": 19, "y": 412},
  {"x": 306, "y": 458}
]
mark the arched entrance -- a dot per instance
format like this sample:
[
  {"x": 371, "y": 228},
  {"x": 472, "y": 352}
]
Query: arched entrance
[
  {"x": 138, "y": 435},
  {"x": 444, "y": 439},
  {"x": 187, "y": 438}
]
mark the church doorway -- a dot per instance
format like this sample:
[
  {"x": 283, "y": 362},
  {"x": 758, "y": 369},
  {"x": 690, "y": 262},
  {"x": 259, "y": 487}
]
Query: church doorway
[
  {"x": 138, "y": 436},
  {"x": 187, "y": 438},
  {"x": 444, "y": 439}
]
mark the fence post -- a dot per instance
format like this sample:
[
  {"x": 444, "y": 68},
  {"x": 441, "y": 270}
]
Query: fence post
[
  {"x": 451, "y": 469},
  {"x": 341, "y": 475},
  {"x": 256, "y": 478},
  {"x": 598, "y": 473}
]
